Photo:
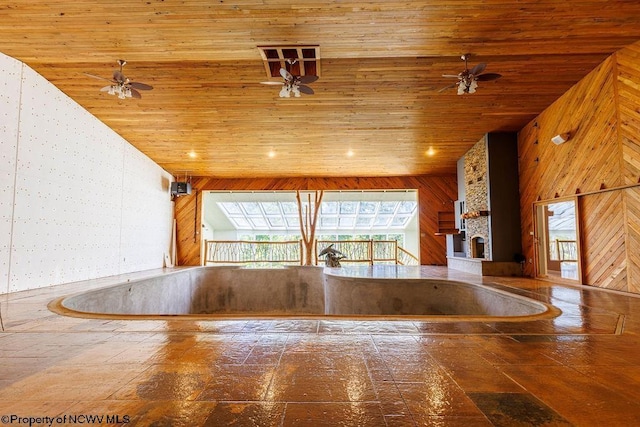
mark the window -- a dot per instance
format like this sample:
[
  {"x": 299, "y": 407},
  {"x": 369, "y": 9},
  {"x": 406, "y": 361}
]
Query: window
[{"x": 341, "y": 215}]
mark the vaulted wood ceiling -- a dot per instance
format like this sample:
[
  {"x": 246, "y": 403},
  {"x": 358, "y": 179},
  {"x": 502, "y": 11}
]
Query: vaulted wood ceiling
[{"x": 381, "y": 73}]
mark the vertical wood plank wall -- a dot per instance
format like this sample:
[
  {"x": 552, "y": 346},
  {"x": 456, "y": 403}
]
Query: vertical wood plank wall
[
  {"x": 435, "y": 193},
  {"x": 602, "y": 112}
]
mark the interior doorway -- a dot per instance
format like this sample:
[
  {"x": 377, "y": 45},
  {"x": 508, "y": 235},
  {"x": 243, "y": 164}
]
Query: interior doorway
[{"x": 557, "y": 240}]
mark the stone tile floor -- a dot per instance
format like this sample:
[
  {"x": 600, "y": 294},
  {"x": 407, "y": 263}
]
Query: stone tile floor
[{"x": 581, "y": 368}]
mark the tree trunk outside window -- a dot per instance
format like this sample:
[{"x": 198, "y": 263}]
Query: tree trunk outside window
[{"x": 308, "y": 216}]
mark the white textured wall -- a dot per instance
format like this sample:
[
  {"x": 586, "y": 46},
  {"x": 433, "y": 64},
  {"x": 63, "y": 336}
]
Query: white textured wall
[
  {"x": 10, "y": 75},
  {"x": 77, "y": 200}
]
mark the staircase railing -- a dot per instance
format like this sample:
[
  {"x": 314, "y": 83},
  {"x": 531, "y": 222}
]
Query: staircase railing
[{"x": 406, "y": 258}]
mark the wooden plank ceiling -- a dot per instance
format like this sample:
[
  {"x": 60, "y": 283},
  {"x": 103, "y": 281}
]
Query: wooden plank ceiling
[{"x": 378, "y": 96}]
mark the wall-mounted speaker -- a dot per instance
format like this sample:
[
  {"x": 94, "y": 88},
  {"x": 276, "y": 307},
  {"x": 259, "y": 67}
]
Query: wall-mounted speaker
[{"x": 180, "y": 188}]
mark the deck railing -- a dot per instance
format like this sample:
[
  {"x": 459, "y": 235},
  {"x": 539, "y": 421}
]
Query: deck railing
[
  {"x": 356, "y": 251},
  {"x": 563, "y": 250},
  {"x": 368, "y": 251},
  {"x": 251, "y": 252},
  {"x": 290, "y": 252}
]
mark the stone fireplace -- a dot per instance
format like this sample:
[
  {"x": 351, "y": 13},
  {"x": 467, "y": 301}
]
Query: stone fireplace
[
  {"x": 477, "y": 247},
  {"x": 488, "y": 194},
  {"x": 476, "y": 200}
]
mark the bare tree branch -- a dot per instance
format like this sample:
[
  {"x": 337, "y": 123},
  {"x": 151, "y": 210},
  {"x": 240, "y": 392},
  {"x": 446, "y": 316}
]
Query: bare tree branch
[{"x": 308, "y": 222}]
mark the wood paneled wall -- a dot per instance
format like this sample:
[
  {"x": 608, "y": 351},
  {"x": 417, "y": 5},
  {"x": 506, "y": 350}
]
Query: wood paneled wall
[
  {"x": 628, "y": 100},
  {"x": 627, "y": 70},
  {"x": 632, "y": 211},
  {"x": 600, "y": 163},
  {"x": 435, "y": 193},
  {"x": 603, "y": 240}
]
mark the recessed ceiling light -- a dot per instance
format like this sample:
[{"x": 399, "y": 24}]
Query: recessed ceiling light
[
  {"x": 350, "y": 153},
  {"x": 430, "y": 152},
  {"x": 271, "y": 154},
  {"x": 192, "y": 154}
]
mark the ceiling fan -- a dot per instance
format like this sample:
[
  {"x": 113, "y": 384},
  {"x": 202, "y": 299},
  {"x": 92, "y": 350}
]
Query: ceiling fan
[
  {"x": 121, "y": 85},
  {"x": 293, "y": 84},
  {"x": 468, "y": 79}
]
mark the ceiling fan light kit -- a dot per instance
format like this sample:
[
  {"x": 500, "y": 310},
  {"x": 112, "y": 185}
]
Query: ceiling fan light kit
[
  {"x": 467, "y": 87},
  {"x": 121, "y": 85},
  {"x": 119, "y": 90},
  {"x": 293, "y": 84},
  {"x": 468, "y": 79}
]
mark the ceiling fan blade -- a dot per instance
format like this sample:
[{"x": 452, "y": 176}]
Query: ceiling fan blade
[
  {"x": 454, "y": 76},
  {"x": 96, "y": 77},
  {"x": 286, "y": 75},
  {"x": 478, "y": 69},
  {"x": 106, "y": 88},
  {"x": 305, "y": 89},
  {"x": 448, "y": 87},
  {"x": 140, "y": 86},
  {"x": 307, "y": 79},
  {"x": 272, "y": 83},
  {"x": 487, "y": 77},
  {"x": 135, "y": 94}
]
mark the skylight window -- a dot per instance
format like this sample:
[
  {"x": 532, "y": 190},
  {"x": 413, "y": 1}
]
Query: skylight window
[
  {"x": 271, "y": 208},
  {"x": 387, "y": 207},
  {"x": 241, "y": 223},
  {"x": 364, "y": 222},
  {"x": 260, "y": 223},
  {"x": 367, "y": 207},
  {"x": 329, "y": 208},
  {"x": 335, "y": 215},
  {"x": 232, "y": 208},
  {"x": 251, "y": 208},
  {"x": 276, "y": 222},
  {"x": 289, "y": 208},
  {"x": 348, "y": 208}
]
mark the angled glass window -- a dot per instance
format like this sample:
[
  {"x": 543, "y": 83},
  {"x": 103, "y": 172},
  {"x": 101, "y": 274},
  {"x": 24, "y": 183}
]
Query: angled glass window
[
  {"x": 276, "y": 221},
  {"x": 241, "y": 223},
  {"x": 364, "y": 222},
  {"x": 329, "y": 208},
  {"x": 328, "y": 222},
  {"x": 289, "y": 208},
  {"x": 407, "y": 207},
  {"x": 259, "y": 222},
  {"x": 399, "y": 221},
  {"x": 347, "y": 222},
  {"x": 363, "y": 212},
  {"x": 271, "y": 208},
  {"x": 293, "y": 223},
  {"x": 388, "y": 207},
  {"x": 252, "y": 208},
  {"x": 231, "y": 208},
  {"x": 348, "y": 208},
  {"x": 368, "y": 207},
  {"x": 381, "y": 221}
]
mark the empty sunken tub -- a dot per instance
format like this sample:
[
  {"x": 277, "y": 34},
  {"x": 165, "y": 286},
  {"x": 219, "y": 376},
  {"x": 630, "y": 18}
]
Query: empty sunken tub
[{"x": 298, "y": 291}]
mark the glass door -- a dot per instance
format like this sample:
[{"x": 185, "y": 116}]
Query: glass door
[{"x": 557, "y": 243}]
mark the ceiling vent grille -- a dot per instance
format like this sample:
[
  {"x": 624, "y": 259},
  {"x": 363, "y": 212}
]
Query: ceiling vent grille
[{"x": 298, "y": 60}]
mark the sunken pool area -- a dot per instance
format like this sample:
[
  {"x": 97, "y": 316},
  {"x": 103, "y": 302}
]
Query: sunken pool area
[
  {"x": 579, "y": 368},
  {"x": 378, "y": 292}
]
